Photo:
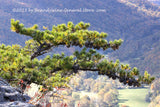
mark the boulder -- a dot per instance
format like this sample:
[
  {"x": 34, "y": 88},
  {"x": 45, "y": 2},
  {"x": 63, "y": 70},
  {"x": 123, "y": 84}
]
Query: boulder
[{"x": 10, "y": 96}]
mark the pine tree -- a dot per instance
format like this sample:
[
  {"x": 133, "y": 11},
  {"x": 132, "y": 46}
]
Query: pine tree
[{"x": 56, "y": 70}]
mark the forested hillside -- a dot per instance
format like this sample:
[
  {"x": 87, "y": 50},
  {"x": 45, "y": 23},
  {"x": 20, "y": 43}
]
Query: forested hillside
[
  {"x": 155, "y": 1},
  {"x": 137, "y": 26},
  {"x": 154, "y": 94},
  {"x": 145, "y": 7}
]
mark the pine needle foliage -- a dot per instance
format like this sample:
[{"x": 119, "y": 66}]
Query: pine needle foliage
[{"x": 18, "y": 62}]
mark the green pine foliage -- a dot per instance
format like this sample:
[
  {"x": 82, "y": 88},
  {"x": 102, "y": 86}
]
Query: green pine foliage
[
  {"x": 69, "y": 35},
  {"x": 15, "y": 64},
  {"x": 18, "y": 62}
]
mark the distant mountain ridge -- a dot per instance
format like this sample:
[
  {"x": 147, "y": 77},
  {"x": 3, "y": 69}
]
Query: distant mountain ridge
[
  {"x": 155, "y": 1},
  {"x": 137, "y": 26},
  {"x": 143, "y": 6}
]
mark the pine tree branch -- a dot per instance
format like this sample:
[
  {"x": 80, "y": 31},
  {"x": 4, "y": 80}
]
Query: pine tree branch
[
  {"x": 42, "y": 49},
  {"x": 87, "y": 69}
]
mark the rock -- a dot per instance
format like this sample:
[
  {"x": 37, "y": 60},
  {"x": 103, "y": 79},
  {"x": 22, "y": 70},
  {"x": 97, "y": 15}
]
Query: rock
[
  {"x": 10, "y": 96},
  {"x": 15, "y": 104},
  {"x": 16, "y": 96},
  {"x": 37, "y": 97},
  {"x": 32, "y": 90},
  {"x": 3, "y": 82},
  {"x": 1, "y": 97},
  {"x": 7, "y": 89}
]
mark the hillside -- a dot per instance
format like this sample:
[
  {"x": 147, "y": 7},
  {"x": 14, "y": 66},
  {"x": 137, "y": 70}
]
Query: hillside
[
  {"x": 137, "y": 26},
  {"x": 155, "y": 1},
  {"x": 145, "y": 7}
]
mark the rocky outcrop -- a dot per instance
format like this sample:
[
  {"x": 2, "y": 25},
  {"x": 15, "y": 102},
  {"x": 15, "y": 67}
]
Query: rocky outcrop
[{"x": 10, "y": 96}]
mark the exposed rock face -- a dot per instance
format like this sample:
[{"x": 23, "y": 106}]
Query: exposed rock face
[
  {"x": 10, "y": 96},
  {"x": 37, "y": 97},
  {"x": 32, "y": 90}
]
